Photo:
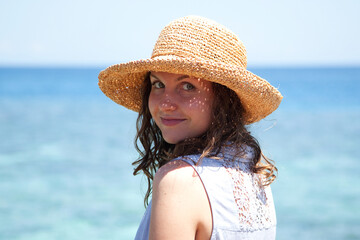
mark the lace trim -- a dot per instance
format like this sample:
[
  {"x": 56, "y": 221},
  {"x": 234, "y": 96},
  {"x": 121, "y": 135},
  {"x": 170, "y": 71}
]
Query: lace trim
[{"x": 253, "y": 205}]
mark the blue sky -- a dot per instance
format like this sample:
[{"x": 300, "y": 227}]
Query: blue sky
[{"x": 101, "y": 33}]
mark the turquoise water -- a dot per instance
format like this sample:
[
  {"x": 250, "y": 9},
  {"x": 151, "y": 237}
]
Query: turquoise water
[{"x": 66, "y": 153}]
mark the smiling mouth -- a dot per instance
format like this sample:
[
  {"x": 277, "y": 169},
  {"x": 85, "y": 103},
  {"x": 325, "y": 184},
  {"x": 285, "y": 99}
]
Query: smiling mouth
[{"x": 171, "y": 121}]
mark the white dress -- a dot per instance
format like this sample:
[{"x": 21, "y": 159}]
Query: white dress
[{"x": 241, "y": 207}]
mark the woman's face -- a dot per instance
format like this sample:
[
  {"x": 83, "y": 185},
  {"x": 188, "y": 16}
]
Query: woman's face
[{"x": 180, "y": 105}]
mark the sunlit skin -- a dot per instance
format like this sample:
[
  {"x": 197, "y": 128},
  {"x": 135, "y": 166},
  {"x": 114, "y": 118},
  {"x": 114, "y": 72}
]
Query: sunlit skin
[{"x": 180, "y": 105}]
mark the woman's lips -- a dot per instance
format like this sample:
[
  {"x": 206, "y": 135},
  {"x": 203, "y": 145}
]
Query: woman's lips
[{"x": 171, "y": 121}]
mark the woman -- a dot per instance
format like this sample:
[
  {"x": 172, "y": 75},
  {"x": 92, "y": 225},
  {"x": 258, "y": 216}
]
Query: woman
[{"x": 205, "y": 171}]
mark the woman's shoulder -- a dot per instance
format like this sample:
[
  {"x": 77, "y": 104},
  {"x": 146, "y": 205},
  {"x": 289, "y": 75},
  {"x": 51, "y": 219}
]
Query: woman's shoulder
[
  {"x": 178, "y": 199},
  {"x": 177, "y": 172}
]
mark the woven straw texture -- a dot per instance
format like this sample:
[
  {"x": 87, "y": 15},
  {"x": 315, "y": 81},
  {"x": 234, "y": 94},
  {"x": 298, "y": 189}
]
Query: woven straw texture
[{"x": 197, "y": 47}]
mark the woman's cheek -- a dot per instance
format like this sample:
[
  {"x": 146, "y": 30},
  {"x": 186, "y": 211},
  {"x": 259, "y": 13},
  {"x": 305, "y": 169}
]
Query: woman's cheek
[
  {"x": 198, "y": 103},
  {"x": 152, "y": 104}
]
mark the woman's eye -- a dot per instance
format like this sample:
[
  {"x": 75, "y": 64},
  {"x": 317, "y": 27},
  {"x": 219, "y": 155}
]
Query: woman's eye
[
  {"x": 188, "y": 86},
  {"x": 158, "y": 84}
]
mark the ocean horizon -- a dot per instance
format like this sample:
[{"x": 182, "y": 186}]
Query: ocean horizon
[{"x": 66, "y": 154}]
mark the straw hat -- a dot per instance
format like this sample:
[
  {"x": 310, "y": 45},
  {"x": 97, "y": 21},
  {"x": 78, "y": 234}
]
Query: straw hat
[{"x": 197, "y": 47}]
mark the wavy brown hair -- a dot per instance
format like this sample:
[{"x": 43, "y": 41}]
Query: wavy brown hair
[{"x": 227, "y": 129}]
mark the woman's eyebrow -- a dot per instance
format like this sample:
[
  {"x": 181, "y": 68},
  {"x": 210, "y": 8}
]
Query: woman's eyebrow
[
  {"x": 182, "y": 77},
  {"x": 178, "y": 79},
  {"x": 152, "y": 75}
]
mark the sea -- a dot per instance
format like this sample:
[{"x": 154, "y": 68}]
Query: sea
[{"x": 66, "y": 154}]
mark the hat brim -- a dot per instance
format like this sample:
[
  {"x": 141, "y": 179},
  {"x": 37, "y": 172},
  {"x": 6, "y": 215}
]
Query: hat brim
[{"x": 122, "y": 82}]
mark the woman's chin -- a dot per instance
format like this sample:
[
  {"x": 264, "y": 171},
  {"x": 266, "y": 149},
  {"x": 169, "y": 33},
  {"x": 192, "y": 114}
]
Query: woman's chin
[{"x": 173, "y": 139}]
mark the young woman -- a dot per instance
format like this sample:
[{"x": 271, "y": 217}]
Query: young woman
[{"x": 206, "y": 173}]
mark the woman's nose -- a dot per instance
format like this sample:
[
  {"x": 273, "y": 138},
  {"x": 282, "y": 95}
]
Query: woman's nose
[{"x": 167, "y": 104}]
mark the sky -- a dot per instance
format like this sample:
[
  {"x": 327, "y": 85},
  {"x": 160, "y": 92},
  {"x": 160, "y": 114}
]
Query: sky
[{"x": 105, "y": 32}]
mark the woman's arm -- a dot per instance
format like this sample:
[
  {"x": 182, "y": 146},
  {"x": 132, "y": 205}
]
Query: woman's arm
[{"x": 180, "y": 207}]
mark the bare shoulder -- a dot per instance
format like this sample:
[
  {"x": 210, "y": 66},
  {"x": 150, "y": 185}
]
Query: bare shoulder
[
  {"x": 179, "y": 199},
  {"x": 175, "y": 172}
]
